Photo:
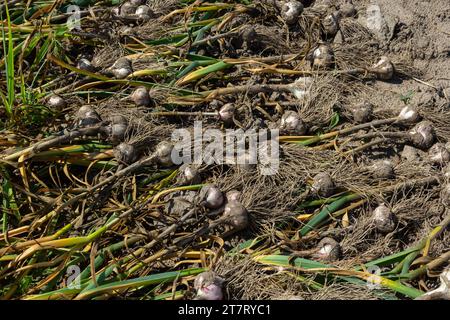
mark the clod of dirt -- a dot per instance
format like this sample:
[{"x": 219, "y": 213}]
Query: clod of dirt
[
  {"x": 179, "y": 205},
  {"x": 362, "y": 112},
  {"x": 328, "y": 250},
  {"x": 291, "y": 11},
  {"x": 291, "y": 123},
  {"x": 249, "y": 38},
  {"x": 208, "y": 286},
  {"x": 410, "y": 153},
  {"x": 323, "y": 185},
  {"x": 383, "y": 219},
  {"x": 211, "y": 196},
  {"x": 379, "y": 23},
  {"x": 438, "y": 154}
]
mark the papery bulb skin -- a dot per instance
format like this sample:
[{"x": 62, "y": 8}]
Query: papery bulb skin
[
  {"x": 211, "y": 196},
  {"x": 323, "y": 185},
  {"x": 384, "y": 68},
  {"x": 291, "y": 11},
  {"x": 383, "y": 219}
]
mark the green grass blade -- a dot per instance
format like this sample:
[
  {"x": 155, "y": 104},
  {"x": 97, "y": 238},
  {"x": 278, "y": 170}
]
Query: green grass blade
[
  {"x": 200, "y": 73},
  {"x": 326, "y": 212},
  {"x": 139, "y": 282},
  {"x": 9, "y": 54},
  {"x": 287, "y": 261}
]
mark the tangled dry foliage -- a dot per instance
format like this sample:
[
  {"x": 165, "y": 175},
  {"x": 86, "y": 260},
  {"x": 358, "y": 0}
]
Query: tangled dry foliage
[{"x": 78, "y": 196}]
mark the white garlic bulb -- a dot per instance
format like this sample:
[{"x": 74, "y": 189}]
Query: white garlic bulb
[
  {"x": 291, "y": 11},
  {"x": 291, "y": 123},
  {"x": 384, "y": 68},
  {"x": 383, "y": 219},
  {"x": 323, "y": 56},
  {"x": 323, "y": 185}
]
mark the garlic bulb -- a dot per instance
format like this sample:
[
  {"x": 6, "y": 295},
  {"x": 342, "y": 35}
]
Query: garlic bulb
[
  {"x": 292, "y": 124},
  {"x": 330, "y": 25},
  {"x": 208, "y": 286},
  {"x": 408, "y": 115},
  {"x": 236, "y": 215},
  {"x": 125, "y": 153},
  {"x": 126, "y": 31},
  {"x": 384, "y": 69},
  {"x": 233, "y": 195},
  {"x": 87, "y": 116},
  {"x": 226, "y": 112},
  {"x": 291, "y": 11},
  {"x": 85, "y": 64},
  {"x": 347, "y": 9},
  {"x": 141, "y": 97},
  {"x": 188, "y": 174},
  {"x": 410, "y": 153},
  {"x": 383, "y": 169},
  {"x": 143, "y": 12},
  {"x": 438, "y": 154},
  {"x": 301, "y": 87},
  {"x": 383, "y": 219},
  {"x": 328, "y": 250},
  {"x": 122, "y": 68},
  {"x": 323, "y": 185},
  {"x": 115, "y": 11},
  {"x": 323, "y": 56},
  {"x": 362, "y": 112},
  {"x": 137, "y": 2},
  {"x": 164, "y": 153},
  {"x": 211, "y": 196},
  {"x": 442, "y": 292},
  {"x": 423, "y": 135},
  {"x": 56, "y": 102},
  {"x": 127, "y": 8},
  {"x": 117, "y": 129}
]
